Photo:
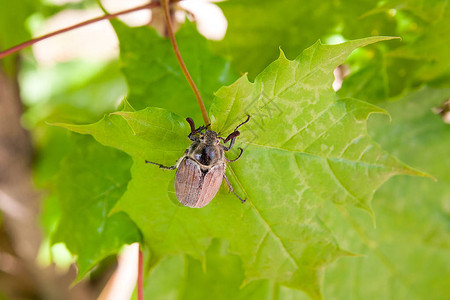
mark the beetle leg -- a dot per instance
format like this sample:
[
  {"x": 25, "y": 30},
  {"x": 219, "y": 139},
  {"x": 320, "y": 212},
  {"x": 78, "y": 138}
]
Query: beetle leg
[
  {"x": 193, "y": 137},
  {"x": 162, "y": 166},
  {"x": 231, "y": 188},
  {"x": 230, "y": 161}
]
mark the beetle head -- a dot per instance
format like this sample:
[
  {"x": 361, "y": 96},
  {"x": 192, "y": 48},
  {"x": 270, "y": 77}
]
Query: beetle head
[{"x": 209, "y": 138}]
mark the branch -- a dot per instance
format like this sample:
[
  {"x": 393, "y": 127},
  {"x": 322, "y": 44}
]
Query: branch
[
  {"x": 181, "y": 62},
  {"x": 88, "y": 22}
]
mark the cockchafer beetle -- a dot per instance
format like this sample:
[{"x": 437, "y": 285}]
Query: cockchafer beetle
[{"x": 201, "y": 169}]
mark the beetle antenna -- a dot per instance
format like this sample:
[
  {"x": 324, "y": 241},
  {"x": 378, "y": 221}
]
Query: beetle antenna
[{"x": 248, "y": 119}]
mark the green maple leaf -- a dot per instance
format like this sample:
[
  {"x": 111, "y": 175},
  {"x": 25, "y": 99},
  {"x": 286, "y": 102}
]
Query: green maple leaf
[
  {"x": 312, "y": 150},
  {"x": 91, "y": 180},
  {"x": 405, "y": 257}
]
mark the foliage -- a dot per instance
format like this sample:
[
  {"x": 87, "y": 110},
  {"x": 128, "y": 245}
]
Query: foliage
[
  {"x": 286, "y": 242},
  {"x": 86, "y": 227},
  {"x": 407, "y": 253},
  {"x": 294, "y": 25},
  {"x": 313, "y": 159},
  {"x": 155, "y": 79},
  {"x": 8, "y": 38}
]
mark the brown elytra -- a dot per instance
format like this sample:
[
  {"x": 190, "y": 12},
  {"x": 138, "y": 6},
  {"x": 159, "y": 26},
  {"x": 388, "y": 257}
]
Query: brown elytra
[{"x": 194, "y": 187}]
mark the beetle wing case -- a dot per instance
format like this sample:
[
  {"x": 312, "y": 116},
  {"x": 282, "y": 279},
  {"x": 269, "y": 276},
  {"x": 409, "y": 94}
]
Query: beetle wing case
[{"x": 194, "y": 187}]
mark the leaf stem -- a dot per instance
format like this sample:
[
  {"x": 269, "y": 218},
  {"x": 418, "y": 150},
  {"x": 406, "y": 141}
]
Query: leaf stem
[
  {"x": 140, "y": 280},
  {"x": 84, "y": 23},
  {"x": 191, "y": 82}
]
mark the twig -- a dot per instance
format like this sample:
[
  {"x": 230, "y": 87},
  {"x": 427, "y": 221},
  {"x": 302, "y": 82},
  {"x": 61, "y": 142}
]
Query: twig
[
  {"x": 91, "y": 21},
  {"x": 191, "y": 82}
]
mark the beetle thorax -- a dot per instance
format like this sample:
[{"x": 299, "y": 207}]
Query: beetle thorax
[
  {"x": 209, "y": 138},
  {"x": 207, "y": 151}
]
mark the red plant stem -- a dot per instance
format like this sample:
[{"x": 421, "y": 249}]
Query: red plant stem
[
  {"x": 91, "y": 21},
  {"x": 191, "y": 82},
  {"x": 140, "y": 279}
]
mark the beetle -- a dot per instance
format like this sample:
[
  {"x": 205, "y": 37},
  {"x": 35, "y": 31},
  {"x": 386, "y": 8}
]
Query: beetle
[{"x": 202, "y": 167}]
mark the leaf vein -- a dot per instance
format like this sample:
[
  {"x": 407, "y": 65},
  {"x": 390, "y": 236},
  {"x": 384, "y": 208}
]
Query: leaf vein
[{"x": 263, "y": 219}]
